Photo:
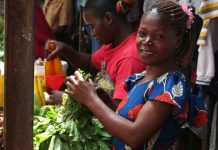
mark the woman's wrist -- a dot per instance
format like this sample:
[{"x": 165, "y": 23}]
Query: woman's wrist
[{"x": 92, "y": 100}]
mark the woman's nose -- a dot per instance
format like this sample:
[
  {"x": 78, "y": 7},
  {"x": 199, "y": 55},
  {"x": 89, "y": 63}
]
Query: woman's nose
[{"x": 148, "y": 41}]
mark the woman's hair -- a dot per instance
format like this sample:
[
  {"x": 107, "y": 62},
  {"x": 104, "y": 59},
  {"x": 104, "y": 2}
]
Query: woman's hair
[
  {"x": 178, "y": 19},
  {"x": 100, "y": 7}
]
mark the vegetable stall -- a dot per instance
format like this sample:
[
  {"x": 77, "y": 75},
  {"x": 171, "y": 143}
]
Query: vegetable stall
[{"x": 51, "y": 123}]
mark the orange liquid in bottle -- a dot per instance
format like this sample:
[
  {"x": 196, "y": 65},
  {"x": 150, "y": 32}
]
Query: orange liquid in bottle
[
  {"x": 53, "y": 70},
  {"x": 53, "y": 67}
]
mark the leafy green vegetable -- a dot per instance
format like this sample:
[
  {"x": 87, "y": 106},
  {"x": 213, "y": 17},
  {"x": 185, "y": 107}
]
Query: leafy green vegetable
[
  {"x": 36, "y": 105},
  {"x": 70, "y": 126}
]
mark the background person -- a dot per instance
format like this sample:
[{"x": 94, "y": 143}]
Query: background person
[{"x": 42, "y": 31}]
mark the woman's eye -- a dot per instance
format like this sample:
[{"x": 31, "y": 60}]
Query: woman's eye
[
  {"x": 141, "y": 34},
  {"x": 158, "y": 37}
]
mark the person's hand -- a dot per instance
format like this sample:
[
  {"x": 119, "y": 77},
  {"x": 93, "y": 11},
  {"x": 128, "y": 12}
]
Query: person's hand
[
  {"x": 81, "y": 90},
  {"x": 52, "y": 48},
  {"x": 55, "y": 97}
]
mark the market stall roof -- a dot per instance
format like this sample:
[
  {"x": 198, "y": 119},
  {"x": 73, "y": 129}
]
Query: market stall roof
[{"x": 19, "y": 58}]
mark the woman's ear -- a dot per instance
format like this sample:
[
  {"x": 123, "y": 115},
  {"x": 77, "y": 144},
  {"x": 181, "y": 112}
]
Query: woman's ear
[{"x": 108, "y": 18}]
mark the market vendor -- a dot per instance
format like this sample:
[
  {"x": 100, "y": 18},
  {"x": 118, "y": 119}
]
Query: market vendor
[
  {"x": 108, "y": 23},
  {"x": 159, "y": 104}
]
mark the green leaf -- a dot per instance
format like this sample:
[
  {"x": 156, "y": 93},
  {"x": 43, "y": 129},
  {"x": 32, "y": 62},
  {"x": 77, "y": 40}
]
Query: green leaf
[
  {"x": 102, "y": 145},
  {"x": 57, "y": 144},
  {"x": 83, "y": 121},
  {"x": 97, "y": 123},
  {"x": 104, "y": 134},
  {"x": 76, "y": 146},
  {"x": 45, "y": 135}
]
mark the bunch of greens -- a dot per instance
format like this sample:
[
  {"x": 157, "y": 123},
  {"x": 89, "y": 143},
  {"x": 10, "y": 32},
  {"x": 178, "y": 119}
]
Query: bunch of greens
[{"x": 70, "y": 126}]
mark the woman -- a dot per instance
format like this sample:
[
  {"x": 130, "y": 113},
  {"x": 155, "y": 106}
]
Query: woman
[{"x": 158, "y": 104}]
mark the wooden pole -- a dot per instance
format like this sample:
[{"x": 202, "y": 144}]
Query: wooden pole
[{"x": 19, "y": 58}]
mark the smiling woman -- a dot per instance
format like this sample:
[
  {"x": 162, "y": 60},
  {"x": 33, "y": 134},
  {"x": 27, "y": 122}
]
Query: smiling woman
[
  {"x": 159, "y": 103},
  {"x": 156, "y": 39}
]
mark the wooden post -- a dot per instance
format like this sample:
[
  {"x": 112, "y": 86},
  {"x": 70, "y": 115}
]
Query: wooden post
[{"x": 19, "y": 58}]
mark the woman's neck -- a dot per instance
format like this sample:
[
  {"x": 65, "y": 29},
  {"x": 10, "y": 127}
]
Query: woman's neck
[
  {"x": 154, "y": 71},
  {"x": 122, "y": 32}
]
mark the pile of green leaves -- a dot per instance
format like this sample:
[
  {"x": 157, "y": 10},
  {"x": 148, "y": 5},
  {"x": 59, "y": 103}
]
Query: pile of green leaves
[{"x": 70, "y": 126}]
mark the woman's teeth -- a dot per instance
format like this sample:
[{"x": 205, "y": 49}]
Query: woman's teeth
[{"x": 147, "y": 52}]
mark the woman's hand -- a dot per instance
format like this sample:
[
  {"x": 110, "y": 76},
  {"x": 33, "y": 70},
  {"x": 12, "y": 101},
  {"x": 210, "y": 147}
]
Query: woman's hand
[
  {"x": 53, "y": 48},
  {"x": 55, "y": 97},
  {"x": 81, "y": 90}
]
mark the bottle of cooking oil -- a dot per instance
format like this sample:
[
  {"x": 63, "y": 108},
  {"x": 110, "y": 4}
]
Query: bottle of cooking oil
[
  {"x": 54, "y": 75},
  {"x": 53, "y": 67}
]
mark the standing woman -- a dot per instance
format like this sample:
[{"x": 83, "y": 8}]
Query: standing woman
[
  {"x": 111, "y": 28},
  {"x": 158, "y": 104}
]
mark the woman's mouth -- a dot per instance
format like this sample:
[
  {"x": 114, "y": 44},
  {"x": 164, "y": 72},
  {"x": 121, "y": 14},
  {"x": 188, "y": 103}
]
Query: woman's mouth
[{"x": 146, "y": 52}]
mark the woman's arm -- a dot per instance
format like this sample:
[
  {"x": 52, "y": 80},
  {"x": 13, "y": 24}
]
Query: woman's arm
[
  {"x": 76, "y": 59},
  {"x": 151, "y": 117}
]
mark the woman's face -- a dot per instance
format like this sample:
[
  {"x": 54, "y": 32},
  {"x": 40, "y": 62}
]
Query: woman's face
[
  {"x": 156, "y": 40},
  {"x": 100, "y": 28}
]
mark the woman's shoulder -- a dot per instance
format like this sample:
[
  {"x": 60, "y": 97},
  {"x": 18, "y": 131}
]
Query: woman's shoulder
[
  {"x": 168, "y": 80},
  {"x": 171, "y": 78},
  {"x": 133, "y": 79},
  {"x": 172, "y": 88},
  {"x": 169, "y": 88},
  {"x": 175, "y": 75}
]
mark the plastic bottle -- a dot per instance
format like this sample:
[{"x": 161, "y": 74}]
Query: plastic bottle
[
  {"x": 53, "y": 67},
  {"x": 54, "y": 75}
]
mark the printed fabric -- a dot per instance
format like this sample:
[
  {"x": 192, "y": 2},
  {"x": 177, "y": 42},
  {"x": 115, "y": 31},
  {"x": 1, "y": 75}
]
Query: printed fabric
[{"x": 169, "y": 88}]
